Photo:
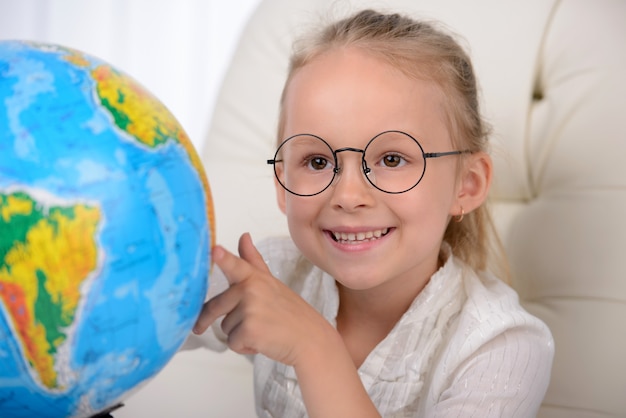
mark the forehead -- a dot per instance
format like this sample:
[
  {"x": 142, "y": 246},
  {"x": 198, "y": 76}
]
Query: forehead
[{"x": 349, "y": 93}]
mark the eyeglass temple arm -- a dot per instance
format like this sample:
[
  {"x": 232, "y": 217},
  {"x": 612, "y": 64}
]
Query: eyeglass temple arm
[{"x": 443, "y": 154}]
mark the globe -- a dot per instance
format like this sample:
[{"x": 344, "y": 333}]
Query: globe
[{"x": 106, "y": 227}]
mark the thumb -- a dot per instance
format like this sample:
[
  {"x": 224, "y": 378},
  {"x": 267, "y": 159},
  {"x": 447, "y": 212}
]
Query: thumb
[{"x": 248, "y": 252}]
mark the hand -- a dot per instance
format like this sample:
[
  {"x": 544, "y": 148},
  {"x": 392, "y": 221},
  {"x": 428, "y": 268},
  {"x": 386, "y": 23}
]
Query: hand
[{"x": 262, "y": 315}]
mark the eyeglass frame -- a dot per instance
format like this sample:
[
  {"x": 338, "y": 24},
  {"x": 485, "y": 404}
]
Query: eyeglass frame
[{"x": 365, "y": 169}]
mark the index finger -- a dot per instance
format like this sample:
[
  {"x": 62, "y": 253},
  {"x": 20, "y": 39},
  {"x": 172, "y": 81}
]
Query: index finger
[
  {"x": 234, "y": 268},
  {"x": 248, "y": 252}
]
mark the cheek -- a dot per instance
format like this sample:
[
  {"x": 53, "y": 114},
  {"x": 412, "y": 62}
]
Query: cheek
[
  {"x": 301, "y": 214},
  {"x": 441, "y": 183},
  {"x": 430, "y": 203},
  {"x": 423, "y": 222}
]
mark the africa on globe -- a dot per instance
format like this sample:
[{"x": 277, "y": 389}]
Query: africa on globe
[{"x": 106, "y": 226}]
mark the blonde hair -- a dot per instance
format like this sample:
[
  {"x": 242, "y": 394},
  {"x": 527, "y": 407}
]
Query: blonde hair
[{"x": 423, "y": 51}]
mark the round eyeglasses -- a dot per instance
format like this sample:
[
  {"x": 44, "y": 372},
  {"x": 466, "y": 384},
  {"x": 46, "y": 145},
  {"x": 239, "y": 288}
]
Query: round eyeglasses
[{"x": 393, "y": 162}]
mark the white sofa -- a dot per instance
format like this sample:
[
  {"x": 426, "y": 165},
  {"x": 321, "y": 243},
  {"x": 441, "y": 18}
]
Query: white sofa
[{"x": 553, "y": 74}]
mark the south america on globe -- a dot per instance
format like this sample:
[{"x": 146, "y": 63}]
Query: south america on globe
[{"x": 106, "y": 227}]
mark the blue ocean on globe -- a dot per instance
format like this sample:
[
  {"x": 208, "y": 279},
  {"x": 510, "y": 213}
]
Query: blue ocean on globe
[{"x": 106, "y": 226}]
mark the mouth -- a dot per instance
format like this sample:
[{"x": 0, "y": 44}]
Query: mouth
[{"x": 358, "y": 237}]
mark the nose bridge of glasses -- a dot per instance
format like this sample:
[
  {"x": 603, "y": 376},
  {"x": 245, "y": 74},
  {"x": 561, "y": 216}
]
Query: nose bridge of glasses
[
  {"x": 339, "y": 167},
  {"x": 350, "y": 149},
  {"x": 363, "y": 172}
]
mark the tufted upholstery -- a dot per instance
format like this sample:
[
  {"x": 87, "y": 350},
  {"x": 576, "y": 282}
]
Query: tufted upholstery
[{"x": 553, "y": 77}]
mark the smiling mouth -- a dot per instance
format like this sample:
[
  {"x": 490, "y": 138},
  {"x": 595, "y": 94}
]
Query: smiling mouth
[{"x": 358, "y": 237}]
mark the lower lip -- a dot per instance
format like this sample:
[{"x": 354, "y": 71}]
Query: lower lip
[{"x": 356, "y": 246}]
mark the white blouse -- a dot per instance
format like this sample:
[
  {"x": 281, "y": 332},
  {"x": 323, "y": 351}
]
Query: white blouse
[{"x": 464, "y": 348}]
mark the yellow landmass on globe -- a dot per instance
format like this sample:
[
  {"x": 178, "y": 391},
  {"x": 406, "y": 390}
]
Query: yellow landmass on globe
[
  {"x": 76, "y": 58},
  {"x": 45, "y": 258},
  {"x": 15, "y": 206},
  {"x": 134, "y": 109}
]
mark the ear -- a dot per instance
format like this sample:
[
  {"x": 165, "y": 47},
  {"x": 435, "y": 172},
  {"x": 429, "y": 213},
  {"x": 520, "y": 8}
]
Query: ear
[
  {"x": 280, "y": 195},
  {"x": 474, "y": 183}
]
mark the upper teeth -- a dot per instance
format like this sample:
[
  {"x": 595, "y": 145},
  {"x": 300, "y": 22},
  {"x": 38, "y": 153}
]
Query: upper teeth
[{"x": 359, "y": 236}]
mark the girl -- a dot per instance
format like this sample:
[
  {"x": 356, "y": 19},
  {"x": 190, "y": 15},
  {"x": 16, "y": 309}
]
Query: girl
[{"x": 381, "y": 303}]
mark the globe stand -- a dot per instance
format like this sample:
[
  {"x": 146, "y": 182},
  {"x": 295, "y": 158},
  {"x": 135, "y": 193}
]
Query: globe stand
[{"x": 107, "y": 412}]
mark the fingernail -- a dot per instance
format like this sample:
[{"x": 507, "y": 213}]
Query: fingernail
[{"x": 218, "y": 252}]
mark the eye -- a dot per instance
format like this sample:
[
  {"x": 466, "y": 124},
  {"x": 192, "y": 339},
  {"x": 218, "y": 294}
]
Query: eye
[
  {"x": 393, "y": 160},
  {"x": 317, "y": 163}
]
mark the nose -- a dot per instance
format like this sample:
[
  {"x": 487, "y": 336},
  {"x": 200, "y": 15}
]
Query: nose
[{"x": 350, "y": 189}]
